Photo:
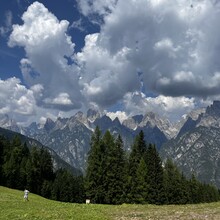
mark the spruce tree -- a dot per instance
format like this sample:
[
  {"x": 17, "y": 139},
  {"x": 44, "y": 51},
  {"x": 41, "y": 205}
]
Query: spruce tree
[
  {"x": 108, "y": 167},
  {"x": 194, "y": 190},
  {"x": 114, "y": 177},
  {"x": 142, "y": 183},
  {"x": 173, "y": 183},
  {"x": 95, "y": 168},
  {"x": 137, "y": 153},
  {"x": 156, "y": 191},
  {"x": 120, "y": 172}
]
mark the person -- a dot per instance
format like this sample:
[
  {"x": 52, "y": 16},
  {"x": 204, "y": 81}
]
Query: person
[{"x": 26, "y": 195}]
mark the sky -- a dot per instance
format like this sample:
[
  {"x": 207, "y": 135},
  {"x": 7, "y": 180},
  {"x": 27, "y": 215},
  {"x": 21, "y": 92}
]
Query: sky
[{"x": 121, "y": 57}]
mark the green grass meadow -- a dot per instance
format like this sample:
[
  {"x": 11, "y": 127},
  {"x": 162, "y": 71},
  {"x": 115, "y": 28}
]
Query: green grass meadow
[{"x": 12, "y": 206}]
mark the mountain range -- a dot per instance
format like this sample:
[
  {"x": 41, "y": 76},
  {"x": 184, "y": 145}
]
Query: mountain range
[{"x": 193, "y": 143}]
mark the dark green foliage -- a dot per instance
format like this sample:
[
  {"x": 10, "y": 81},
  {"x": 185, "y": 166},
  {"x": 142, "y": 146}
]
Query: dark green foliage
[
  {"x": 120, "y": 174},
  {"x": 105, "y": 175},
  {"x": 138, "y": 150},
  {"x": 142, "y": 181},
  {"x": 175, "y": 184},
  {"x": 94, "y": 175},
  {"x": 137, "y": 153},
  {"x": 114, "y": 179},
  {"x": 21, "y": 168},
  {"x": 67, "y": 188},
  {"x": 111, "y": 177},
  {"x": 155, "y": 174},
  {"x": 115, "y": 169}
]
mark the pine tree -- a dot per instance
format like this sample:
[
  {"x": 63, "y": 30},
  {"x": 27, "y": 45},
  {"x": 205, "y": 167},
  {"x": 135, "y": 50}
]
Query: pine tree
[
  {"x": 194, "y": 190},
  {"x": 156, "y": 191},
  {"x": 120, "y": 172},
  {"x": 34, "y": 180},
  {"x": 142, "y": 182},
  {"x": 137, "y": 153},
  {"x": 114, "y": 176},
  {"x": 13, "y": 167},
  {"x": 173, "y": 182},
  {"x": 95, "y": 169}
]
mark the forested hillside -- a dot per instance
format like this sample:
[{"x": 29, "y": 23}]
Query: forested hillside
[
  {"x": 21, "y": 167},
  {"x": 112, "y": 176}
]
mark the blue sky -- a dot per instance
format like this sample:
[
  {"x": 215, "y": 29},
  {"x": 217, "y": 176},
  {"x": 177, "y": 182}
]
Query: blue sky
[{"x": 122, "y": 57}]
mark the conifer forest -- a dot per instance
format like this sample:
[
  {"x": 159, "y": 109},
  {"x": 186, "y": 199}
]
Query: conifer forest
[{"x": 113, "y": 175}]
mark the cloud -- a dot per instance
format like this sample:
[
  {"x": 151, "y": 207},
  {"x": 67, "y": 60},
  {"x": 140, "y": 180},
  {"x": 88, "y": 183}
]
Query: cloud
[
  {"x": 121, "y": 115},
  {"x": 167, "y": 106},
  {"x": 78, "y": 24},
  {"x": 63, "y": 99},
  {"x": 101, "y": 7},
  {"x": 149, "y": 55},
  {"x": 105, "y": 77},
  {"x": 4, "y": 30},
  {"x": 49, "y": 60},
  {"x": 173, "y": 44},
  {"x": 15, "y": 99}
]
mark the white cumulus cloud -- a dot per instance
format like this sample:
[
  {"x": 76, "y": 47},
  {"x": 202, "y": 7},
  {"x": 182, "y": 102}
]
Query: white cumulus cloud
[
  {"x": 16, "y": 98},
  {"x": 49, "y": 50}
]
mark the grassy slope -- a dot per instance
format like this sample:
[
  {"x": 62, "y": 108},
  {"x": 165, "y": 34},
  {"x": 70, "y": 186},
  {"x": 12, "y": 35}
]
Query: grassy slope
[{"x": 12, "y": 206}]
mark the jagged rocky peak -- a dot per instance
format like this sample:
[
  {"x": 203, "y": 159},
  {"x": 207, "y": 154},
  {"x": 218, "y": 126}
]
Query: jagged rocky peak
[
  {"x": 116, "y": 122},
  {"x": 154, "y": 120},
  {"x": 150, "y": 118},
  {"x": 60, "y": 123},
  {"x": 133, "y": 122},
  {"x": 49, "y": 124},
  {"x": 78, "y": 117},
  {"x": 214, "y": 109},
  {"x": 8, "y": 123},
  {"x": 5, "y": 121},
  {"x": 33, "y": 125},
  {"x": 138, "y": 118},
  {"x": 196, "y": 113},
  {"x": 92, "y": 115}
]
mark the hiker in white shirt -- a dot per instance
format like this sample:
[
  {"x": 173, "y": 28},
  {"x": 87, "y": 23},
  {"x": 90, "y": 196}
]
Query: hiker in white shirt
[{"x": 26, "y": 195}]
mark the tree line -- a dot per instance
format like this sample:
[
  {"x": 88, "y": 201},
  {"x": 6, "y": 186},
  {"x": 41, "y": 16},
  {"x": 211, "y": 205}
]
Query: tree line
[
  {"x": 23, "y": 168},
  {"x": 113, "y": 176}
]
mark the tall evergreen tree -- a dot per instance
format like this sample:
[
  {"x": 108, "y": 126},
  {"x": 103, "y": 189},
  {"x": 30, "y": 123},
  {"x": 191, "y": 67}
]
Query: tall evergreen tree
[
  {"x": 142, "y": 182},
  {"x": 137, "y": 153},
  {"x": 94, "y": 174},
  {"x": 108, "y": 167},
  {"x": 114, "y": 176},
  {"x": 194, "y": 190},
  {"x": 120, "y": 172},
  {"x": 156, "y": 191},
  {"x": 173, "y": 183}
]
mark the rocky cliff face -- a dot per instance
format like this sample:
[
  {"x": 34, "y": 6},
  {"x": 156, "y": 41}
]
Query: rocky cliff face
[{"x": 196, "y": 149}]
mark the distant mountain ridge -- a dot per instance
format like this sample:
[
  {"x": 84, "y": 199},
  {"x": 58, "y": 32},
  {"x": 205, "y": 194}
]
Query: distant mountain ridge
[
  {"x": 70, "y": 137},
  {"x": 193, "y": 143}
]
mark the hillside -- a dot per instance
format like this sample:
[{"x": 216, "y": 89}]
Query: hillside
[
  {"x": 12, "y": 206},
  {"x": 57, "y": 161},
  {"x": 196, "y": 148}
]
